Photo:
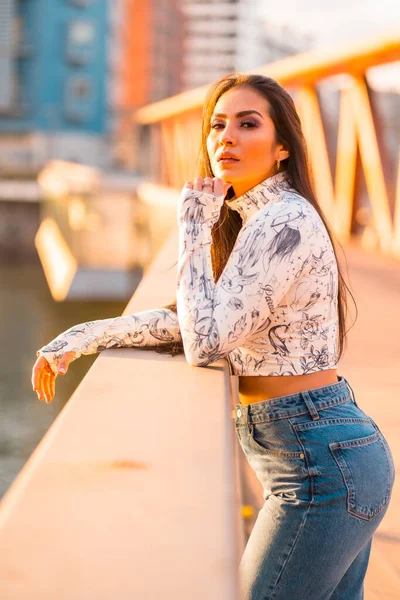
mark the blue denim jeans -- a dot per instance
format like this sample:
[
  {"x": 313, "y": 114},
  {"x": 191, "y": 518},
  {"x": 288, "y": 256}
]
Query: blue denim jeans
[{"x": 327, "y": 473}]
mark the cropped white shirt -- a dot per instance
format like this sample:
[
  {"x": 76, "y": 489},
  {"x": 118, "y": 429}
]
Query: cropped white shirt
[{"x": 274, "y": 309}]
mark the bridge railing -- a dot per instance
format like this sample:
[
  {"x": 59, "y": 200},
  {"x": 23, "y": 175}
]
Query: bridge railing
[
  {"x": 136, "y": 489},
  {"x": 134, "y": 492}
]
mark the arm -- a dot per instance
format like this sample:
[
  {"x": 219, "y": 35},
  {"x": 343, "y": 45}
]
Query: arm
[
  {"x": 266, "y": 260},
  {"x": 147, "y": 328}
]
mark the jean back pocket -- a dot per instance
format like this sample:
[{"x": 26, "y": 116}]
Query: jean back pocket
[{"x": 367, "y": 468}]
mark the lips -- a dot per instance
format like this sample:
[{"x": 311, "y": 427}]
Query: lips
[{"x": 226, "y": 155}]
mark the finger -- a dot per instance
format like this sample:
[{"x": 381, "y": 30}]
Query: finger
[
  {"x": 47, "y": 388},
  {"x": 36, "y": 371},
  {"x": 208, "y": 185},
  {"x": 62, "y": 367},
  {"x": 40, "y": 389},
  {"x": 198, "y": 184},
  {"x": 218, "y": 186},
  {"x": 53, "y": 385},
  {"x": 64, "y": 363},
  {"x": 189, "y": 184}
]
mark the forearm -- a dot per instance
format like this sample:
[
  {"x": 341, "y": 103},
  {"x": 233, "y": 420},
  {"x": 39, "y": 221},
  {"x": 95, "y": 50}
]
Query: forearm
[
  {"x": 218, "y": 317},
  {"x": 204, "y": 321},
  {"x": 152, "y": 327},
  {"x": 195, "y": 294}
]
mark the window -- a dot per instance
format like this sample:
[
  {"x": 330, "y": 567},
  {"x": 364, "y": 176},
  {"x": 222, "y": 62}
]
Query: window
[
  {"x": 81, "y": 41},
  {"x": 82, "y": 2},
  {"x": 79, "y": 101},
  {"x": 81, "y": 33}
]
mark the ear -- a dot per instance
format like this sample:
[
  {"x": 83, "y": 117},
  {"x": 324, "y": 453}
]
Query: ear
[{"x": 283, "y": 154}]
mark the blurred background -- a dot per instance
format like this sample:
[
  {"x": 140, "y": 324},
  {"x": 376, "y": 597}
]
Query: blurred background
[{"x": 73, "y": 73}]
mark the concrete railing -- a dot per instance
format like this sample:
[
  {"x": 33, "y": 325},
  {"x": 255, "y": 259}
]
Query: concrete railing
[{"x": 134, "y": 491}]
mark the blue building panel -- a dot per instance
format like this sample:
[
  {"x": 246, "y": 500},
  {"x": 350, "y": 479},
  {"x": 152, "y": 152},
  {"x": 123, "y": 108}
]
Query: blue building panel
[
  {"x": 61, "y": 67},
  {"x": 7, "y": 8}
]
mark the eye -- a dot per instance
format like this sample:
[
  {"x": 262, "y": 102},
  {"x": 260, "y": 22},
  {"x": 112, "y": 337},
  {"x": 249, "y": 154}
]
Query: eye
[{"x": 249, "y": 124}]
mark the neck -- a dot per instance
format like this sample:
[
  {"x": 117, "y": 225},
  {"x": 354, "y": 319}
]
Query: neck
[
  {"x": 255, "y": 198},
  {"x": 242, "y": 188}
]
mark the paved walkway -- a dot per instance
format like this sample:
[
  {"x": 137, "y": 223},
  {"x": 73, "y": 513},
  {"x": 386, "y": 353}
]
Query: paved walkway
[
  {"x": 371, "y": 363},
  {"x": 372, "y": 366}
]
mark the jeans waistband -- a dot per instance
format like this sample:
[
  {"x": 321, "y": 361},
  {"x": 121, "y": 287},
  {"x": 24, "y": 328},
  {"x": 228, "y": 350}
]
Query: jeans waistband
[{"x": 308, "y": 401}]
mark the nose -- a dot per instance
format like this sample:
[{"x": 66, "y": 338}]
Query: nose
[{"x": 226, "y": 135}]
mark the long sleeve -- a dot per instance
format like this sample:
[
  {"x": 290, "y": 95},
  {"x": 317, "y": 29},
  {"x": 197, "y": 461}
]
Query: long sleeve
[
  {"x": 147, "y": 328},
  {"x": 267, "y": 259}
]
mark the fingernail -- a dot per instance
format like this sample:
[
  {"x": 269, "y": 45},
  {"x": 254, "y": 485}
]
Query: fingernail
[{"x": 61, "y": 370}]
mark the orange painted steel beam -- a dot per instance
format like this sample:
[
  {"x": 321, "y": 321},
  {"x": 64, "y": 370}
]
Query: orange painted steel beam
[
  {"x": 301, "y": 69},
  {"x": 181, "y": 173},
  {"x": 396, "y": 237},
  {"x": 346, "y": 161},
  {"x": 310, "y": 115},
  {"x": 371, "y": 161},
  {"x": 168, "y": 151}
]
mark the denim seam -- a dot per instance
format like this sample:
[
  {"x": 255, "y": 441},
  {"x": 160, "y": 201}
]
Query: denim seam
[
  {"x": 389, "y": 458},
  {"x": 327, "y": 422},
  {"x": 363, "y": 441},
  {"x": 274, "y": 589},
  {"x": 275, "y": 453},
  {"x": 306, "y": 460},
  {"x": 291, "y": 413},
  {"x": 336, "y": 447},
  {"x": 351, "y": 501}
]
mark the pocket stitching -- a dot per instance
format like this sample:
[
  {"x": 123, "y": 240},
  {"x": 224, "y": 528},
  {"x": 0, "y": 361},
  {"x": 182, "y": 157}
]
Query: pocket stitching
[
  {"x": 276, "y": 453},
  {"x": 333, "y": 421},
  {"x": 335, "y": 448},
  {"x": 364, "y": 441}
]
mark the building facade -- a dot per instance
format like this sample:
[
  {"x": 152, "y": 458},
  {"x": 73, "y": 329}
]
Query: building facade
[
  {"x": 222, "y": 36},
  {"x": 149, "y": 66},
  {"x": 74, "y": 71},
  {"x": 54, "y": 82}
]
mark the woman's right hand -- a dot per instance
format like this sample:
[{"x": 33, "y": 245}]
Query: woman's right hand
[{"x": 43, "y": 378}]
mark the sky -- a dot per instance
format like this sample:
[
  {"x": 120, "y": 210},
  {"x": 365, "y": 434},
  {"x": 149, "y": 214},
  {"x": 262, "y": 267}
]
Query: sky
[{"x": 331, "y": 22}]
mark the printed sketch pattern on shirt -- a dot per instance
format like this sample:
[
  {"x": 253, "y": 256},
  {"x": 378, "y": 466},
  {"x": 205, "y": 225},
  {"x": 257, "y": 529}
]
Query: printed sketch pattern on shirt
[
  {"x": 147, "y": 328},
  {"x": 273, "y": 311}
]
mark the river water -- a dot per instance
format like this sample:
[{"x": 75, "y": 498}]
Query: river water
[{"x": 29, "y": 319}]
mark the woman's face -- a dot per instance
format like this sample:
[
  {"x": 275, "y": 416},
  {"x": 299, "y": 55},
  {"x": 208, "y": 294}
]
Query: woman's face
[{"x": 250, "y": 138}]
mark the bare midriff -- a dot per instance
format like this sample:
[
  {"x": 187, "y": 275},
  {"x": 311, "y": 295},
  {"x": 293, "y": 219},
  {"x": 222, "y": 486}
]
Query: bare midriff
[{"x": 258, "y": 388}]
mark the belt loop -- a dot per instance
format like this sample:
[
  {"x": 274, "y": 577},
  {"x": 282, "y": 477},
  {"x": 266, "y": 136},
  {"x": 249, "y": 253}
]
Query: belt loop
[
  {"x": 310, "y": 404},
  {"x": 352, "y": 395}
]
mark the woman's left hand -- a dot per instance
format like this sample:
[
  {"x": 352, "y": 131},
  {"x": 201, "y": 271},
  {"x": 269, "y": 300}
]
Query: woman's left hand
[{"x": 210, "y": 185}]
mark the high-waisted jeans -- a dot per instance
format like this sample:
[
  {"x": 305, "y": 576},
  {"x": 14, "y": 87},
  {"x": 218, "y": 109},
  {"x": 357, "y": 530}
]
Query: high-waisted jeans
[{"x": 327, "y": 473}]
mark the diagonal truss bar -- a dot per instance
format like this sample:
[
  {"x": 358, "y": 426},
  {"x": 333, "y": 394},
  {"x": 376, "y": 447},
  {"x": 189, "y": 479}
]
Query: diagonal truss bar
[
  {"x": 396, "y": 237},
  {"x": 371, "y": 161},
  {"x": 310, "y": 115},
  {"x": 346, "y": 161}
]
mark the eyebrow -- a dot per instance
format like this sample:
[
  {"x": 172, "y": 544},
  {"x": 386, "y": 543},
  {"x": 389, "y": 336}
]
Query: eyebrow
[{"x": 239, "y": 114}]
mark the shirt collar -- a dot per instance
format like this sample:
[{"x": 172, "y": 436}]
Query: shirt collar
[{"x": 258, "y": 196}]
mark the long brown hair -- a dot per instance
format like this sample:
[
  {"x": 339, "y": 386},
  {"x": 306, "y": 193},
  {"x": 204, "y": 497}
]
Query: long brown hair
[{"x": 288, "y": 132}]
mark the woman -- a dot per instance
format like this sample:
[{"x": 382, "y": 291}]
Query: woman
[{"x": 258, "y": 283}]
